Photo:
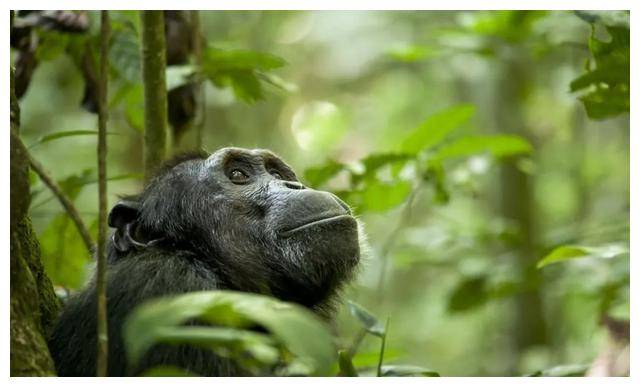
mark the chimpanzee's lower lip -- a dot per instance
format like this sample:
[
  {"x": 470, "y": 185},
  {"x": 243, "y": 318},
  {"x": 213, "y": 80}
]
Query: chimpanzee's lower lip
[{"x": 316, "y": 222}]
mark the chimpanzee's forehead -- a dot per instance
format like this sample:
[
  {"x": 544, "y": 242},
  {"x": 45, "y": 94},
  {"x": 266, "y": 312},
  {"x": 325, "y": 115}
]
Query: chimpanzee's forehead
[{"x": 257, "y": 156}]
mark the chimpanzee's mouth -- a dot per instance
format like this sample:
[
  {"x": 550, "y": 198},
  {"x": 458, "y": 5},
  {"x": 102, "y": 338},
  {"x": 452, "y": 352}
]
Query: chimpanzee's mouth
[{"x": 316, "y": 222}]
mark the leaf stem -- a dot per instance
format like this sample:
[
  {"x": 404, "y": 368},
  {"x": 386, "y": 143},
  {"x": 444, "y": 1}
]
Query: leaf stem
[{"x": 384, "y": 341}]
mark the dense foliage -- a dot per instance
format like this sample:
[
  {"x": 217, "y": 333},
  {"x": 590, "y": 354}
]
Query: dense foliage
[{"x": 429, "y": 124}]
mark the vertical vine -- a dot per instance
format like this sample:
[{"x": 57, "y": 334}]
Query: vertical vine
[
  {"x": 103, "y": 337},
  {"x": 196, "y": 41}
]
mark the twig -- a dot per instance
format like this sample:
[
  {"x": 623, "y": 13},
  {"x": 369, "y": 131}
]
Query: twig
[
  {"x": 101, "y": 286},
  {"x": 384, "y": 341},
  {"x": 60, "y": 195},
  {"x": 386, "y": 248}
]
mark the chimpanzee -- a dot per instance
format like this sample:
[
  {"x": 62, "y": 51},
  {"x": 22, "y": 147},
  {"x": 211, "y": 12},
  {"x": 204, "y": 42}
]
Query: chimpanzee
[{"x": 238, "y": 219}]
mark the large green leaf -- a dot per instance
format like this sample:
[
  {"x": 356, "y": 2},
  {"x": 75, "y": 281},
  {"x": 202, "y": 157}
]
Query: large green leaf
[
  {"x": 239, "y": 69},
  {"x": 571, "y": 252},
  {"x": 293, "y": 327},
  {"x": 435, "y": 128},
  {"x": 500, "y": 145},
  {"x": 406, "y": 370}
]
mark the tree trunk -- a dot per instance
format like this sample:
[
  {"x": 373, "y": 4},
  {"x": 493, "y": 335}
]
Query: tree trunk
[
  {"x": 155, "y": 90},
  {"x": 518, "y": 206},
  {"x": 34, "y": 304}
]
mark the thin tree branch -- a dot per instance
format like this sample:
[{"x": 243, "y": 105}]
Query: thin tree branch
[
  {"x": 101, "y": 280},
  {"x": 67, "y": 204},
  {"x": 388, "y": 245}
]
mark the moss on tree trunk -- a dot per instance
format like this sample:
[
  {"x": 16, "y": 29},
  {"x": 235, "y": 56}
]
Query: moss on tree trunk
[{"x": 33, "y": 302}]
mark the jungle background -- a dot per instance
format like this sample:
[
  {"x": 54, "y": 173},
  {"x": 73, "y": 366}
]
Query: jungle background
[{"x": 486, "y": 153}]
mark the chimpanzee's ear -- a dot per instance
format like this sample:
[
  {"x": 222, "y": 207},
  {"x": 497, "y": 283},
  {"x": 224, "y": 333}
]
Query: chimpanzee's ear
[{"x": 123, "y": 213}]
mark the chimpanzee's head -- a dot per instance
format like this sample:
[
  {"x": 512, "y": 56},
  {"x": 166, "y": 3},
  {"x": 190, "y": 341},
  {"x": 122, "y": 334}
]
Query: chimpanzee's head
[{"x": 244, "y": 214}]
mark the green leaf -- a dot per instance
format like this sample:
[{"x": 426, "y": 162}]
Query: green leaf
[
  {"x": 316, "y": 176},
  {"x": 345, "y": 364},
  {"x": 469, "y": 294},
  {"x": 216, "y": 60},
  {"x": 245, "y": 85},
  {"x": 413, "y": 53},
  {"x": 51, "y": 44},
  {"x": 406, "y": 370},
  {"x": 367, "y": 320},
  {"x": 375, "y": 161},
  {"x": 168, "y": 371},
  {"x": 435, "y": 129},
  {"x": 124, "y": 55},
  {"x": 607, "y": 83},
  {"x": 64, "y": 255},
  {"x": 563, "y": 370},
  {"x": 177, "y": 76},
  {"x": 229, "y": 341},
  {"x": 289, "y": 325},
  {"x": 240, "y": 70},
  {"x": 500, "y": 145},
  {"x": 570, "y": 252},
  {"x": 378, "y": 196},
  {"x": 65, "y": 133}
]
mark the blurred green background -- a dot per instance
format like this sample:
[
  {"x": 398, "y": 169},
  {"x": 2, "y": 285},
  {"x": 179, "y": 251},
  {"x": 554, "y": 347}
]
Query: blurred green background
[{"x": 454, "y": 238}]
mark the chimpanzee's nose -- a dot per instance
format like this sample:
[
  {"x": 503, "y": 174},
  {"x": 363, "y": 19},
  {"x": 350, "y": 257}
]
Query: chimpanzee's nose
[{"x": 293, "y": 185}]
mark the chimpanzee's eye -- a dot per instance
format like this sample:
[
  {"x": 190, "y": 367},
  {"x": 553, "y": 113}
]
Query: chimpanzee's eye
[
  {"x": 237, "y": 176},
  {"x": 276, "y": 174}
]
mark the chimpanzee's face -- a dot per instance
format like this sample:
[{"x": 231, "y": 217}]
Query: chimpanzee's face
[{"x": 245, "y": 214}]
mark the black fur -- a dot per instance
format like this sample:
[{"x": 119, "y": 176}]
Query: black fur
[{"x": 193, "y": 228}]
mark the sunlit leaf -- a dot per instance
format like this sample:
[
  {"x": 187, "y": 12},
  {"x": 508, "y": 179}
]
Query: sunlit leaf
[
  {"x": 570, "y": 252},
  {"x": 216, "y": 60},
  {"x": 177, "y": 76},
  {"x": 406, "y": 370},
  {"x": 367, "y": 319},
  {"x": 375, "y": 161},
  {"x": 290, "y": 325},
  {"x": 436, "y": 128},
  {"x": 413, "y": 53},
  {"x": 500, "y": 145}
]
